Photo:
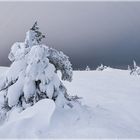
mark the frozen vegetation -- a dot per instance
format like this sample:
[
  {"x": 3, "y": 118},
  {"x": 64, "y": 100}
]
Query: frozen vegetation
[
  {"x": 87, "y": 68},
  {"x": 101, "y": 67},
  {"x": 32, "y": 75},
  {"x": 135, "y": 70}
]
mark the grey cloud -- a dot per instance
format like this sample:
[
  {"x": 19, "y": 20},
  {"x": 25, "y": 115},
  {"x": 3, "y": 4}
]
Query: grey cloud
[{"x": 89, "y": 32}]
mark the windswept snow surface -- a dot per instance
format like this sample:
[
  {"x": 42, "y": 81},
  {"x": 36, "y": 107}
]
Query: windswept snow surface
[
  {"x": 2, "y": 70},
  {"x": 30, "y": 123},
  {"x": 114, "y": 96},
  {"x": 113, "y": 100}
]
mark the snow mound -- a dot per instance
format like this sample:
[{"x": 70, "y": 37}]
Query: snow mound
[{"x": 31, "y": 122}]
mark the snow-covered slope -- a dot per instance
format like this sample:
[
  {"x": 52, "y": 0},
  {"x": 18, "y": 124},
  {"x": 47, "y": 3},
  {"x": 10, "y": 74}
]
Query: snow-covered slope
[
  {"x": 3, "y": 69},
  {"x": 113, "y": 97}
]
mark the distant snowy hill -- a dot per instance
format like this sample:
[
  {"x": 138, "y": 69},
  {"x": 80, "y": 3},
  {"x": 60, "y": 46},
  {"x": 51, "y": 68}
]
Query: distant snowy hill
[{"x": 113, "y": 100}]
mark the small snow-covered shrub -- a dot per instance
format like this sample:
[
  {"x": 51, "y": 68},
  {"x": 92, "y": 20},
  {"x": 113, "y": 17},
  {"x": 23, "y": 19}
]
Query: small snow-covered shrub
[
  {"x": 135, "y": 70},
  {"x": 101, "y": 67},
  {"x": 32, "y": 75},
  {"x": 87, "y": 68}
]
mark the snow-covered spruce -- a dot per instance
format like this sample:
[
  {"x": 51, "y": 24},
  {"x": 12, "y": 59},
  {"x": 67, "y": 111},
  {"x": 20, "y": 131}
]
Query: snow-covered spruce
[{"x": 32, "y": 75}]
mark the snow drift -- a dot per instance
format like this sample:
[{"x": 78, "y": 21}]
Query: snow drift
[{"x": 31, "y": 122}]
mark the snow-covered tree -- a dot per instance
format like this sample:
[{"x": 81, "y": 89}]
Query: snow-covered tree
[
  {"x": 34, "y": 36},
  {"x": 101, "y": 67},
  {"x": 134, "y": 64},
  {"x": 32, "y": 75},
  {"x": 135, "y": 70},
  {"x": 87, "y": 68}
]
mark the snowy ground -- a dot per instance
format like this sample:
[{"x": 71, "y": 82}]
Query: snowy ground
[
  {"x": 2, "y": 70},
  {"x": 113, "y": 97}
]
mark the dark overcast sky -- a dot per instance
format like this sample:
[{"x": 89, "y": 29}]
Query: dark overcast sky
[{"x": 89, "y": 32}]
